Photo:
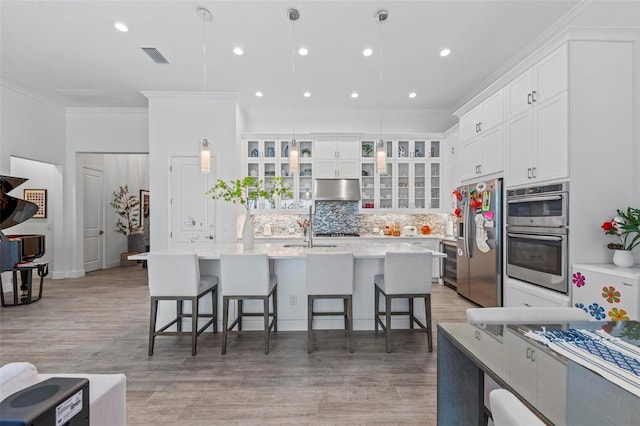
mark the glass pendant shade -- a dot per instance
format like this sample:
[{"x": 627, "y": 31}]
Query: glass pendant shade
[
  {"x": 381, "y": 157},
  {"x": 205, "y": 157},
  {"x": 294, "y": 157}
]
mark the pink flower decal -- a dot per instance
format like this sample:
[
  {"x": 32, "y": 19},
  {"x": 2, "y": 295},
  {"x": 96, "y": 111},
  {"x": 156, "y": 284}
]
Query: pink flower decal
[
  {"x": 578, "y": 279},
  {"x": 611, "y": 294}
]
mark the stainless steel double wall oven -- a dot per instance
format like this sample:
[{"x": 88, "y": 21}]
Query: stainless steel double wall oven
[{"x": 537, "y": 235}]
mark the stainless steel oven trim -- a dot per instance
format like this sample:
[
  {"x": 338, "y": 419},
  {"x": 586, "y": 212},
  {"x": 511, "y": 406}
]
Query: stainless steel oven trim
[
  {"x": 550, "y": 281},
  {"x": 549, "y": 221}
]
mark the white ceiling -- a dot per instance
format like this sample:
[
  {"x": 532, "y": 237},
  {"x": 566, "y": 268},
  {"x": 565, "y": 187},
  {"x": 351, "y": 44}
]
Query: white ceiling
[{"x": 70, "y": 53}]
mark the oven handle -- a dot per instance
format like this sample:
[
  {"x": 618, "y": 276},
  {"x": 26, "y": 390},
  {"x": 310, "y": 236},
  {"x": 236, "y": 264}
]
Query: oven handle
[
  {"x": 529, "y": 199},
  {"x": 534, "y": 237}
]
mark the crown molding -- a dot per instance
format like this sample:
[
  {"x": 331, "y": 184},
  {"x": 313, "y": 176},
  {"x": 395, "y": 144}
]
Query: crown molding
[
  {"x": 106, "y": 110},
  {"x": 190, "y": 95},
  {"x": 4, "y": 84}
]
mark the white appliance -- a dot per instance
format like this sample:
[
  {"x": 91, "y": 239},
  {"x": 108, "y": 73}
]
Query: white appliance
[
  {"x": 410, "y": 231},
  {"x": 607, "y": 292}
]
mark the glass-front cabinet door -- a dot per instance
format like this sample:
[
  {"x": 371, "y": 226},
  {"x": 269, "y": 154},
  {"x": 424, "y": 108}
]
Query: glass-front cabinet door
[{"x": 269, "y": 157}]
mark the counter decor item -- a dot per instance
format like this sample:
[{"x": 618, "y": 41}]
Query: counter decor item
[
  {"x": 247, "y": 191},
  {"x": 426, "y": 229},
  {"x": 306, "y": 152},
  {"x": 367, "y": 150},
  {"x": 626, "y": 227},
  {"x": 304, "y": 225}
]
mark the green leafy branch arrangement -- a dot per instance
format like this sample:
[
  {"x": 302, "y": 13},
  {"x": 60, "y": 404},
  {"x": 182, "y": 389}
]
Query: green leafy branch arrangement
[
  {"x": 249, "y": 188},
  {"x": 127, "y": 207}
]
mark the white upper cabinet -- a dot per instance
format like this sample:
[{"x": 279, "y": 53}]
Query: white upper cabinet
[
  {"x": 337, "y": 157},
  {"x": 483, "y": 118},
  {"x": 537, "y": 132},
  {"x": 538, "y": 84},
  {"x": 482, "y": 155}
]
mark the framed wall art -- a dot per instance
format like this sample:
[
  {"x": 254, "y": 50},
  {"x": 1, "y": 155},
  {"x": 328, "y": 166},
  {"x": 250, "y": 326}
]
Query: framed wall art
[{"x": 39, "y": 198}]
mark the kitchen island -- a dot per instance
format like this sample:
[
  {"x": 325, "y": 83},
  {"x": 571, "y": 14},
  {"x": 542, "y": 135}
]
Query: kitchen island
[{"x": 289, "y": 264}]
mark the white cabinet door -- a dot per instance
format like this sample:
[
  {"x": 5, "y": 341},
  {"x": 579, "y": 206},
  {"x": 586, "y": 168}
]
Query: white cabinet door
[
  {"x": 469, "y": 124},
  {"x": 492, "y": 111},
  {"x": 551, "y": 139},
  {"x": 325, "y": 149},
  {"x": 518, "y": 293},
  {"x": 519, "y": 367},
  {"x": 470, "y": 158},
  {"x": 519, "y": 149},
  {"x": 348, "y": 149},
  {"x": 348, "y": 169},
  {"x": 325, "y": 168},
  {"x": 519, "y": 94},
  {"x": 550, "y": 75},
  {"x": 492, "y": 145},
  {"x": 537, "y": 85},
  {"x": 551, "y": 386}
]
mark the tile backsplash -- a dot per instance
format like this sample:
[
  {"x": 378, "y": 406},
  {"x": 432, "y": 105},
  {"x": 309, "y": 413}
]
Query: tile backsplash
[{"x": 343, "y": 216}]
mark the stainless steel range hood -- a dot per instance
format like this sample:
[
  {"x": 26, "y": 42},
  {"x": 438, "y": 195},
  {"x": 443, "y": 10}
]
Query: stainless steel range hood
[{"x": 336, "y": 190}]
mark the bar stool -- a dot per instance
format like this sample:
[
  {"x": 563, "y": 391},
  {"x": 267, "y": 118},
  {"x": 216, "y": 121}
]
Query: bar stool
[
  {"x": 407, "y": 276},
  {"x": 330, "y": 276},
  {"x": 177, "y": 277},
  {"x": 508, "y": 410},
  {"x": 247, "y": 276}
]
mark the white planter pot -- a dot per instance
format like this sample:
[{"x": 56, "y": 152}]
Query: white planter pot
[{"x": 623, "y": 258}]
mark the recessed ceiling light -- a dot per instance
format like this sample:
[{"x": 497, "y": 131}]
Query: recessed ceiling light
[
  {"x": 121, "y": 27},
  {"x": 238, "y": 51},
  {"x": 445, "y": 52},
  {"x": 307, "y": 94},
  {"x": 412, "y": 95},
  {"x": 367, "y": 52},
  {"x": 259, "y": 94},
  {"x": 354, "y": 95},
  {"x": 303, "y": 51}
]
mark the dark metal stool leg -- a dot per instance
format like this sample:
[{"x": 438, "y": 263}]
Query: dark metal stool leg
[
  {"x": 194, "y": 324},
  {"x": 239, "y": 314},
  {"x": 350, "y": 319},
  {"x": 377, "y": 306},
  {"x": 179, "y": 314},
  {"x": 225, "y": 318},
  {"x": 427, "y": 310},
  {"x": 152, "y": 324},
  {"x": 275, "y": 309},
  {"x": 346, "y": 317},
  {"x": 265, "y": 303},
  {"x": 214, "y": 308},
  {"x": 309, "y": 322},
  {"x": 411, "y": 312},
  {"x": 388, "y": 321}
]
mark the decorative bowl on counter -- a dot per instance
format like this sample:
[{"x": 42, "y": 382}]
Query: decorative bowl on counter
[{"x": 425, "y": 229}]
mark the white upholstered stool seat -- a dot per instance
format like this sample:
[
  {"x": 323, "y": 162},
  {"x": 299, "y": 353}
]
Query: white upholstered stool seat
[
  {"x": 177, "y": 277},
  {"x": 525, "y": 315},
  {"x": 408, "y": 276},
  {"x": 330, "y": 276},
  {"x": 508, "y": 410},
  {"x": 248, "y": 276}
]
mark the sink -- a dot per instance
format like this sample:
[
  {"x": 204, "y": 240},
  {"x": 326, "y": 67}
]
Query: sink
[{"x": 306, "y": 245}]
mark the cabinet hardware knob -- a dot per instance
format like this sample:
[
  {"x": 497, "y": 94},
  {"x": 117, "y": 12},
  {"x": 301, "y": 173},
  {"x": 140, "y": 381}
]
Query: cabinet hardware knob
[
  {"x": 529, "y": 173},
  {"x": 529, "y": 98},
  {"x": 533, "y": 172},
  {"x": 533, "y": 96},
  {"x": 533, "y": 356},
  {"x": 528, "y": 353}
]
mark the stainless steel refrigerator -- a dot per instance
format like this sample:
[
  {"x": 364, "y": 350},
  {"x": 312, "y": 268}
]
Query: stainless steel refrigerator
[{"x": 479, "y": 266}]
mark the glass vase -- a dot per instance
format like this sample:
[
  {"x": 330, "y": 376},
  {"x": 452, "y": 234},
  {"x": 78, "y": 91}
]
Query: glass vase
[{"x": 247, "y": 232}]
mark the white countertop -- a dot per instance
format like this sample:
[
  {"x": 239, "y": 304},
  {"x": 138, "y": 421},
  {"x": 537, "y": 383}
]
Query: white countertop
[{"x": 276, "y": 250}]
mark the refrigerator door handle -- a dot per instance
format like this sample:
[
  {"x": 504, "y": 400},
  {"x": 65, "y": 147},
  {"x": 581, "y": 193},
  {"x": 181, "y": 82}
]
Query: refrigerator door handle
[{"x": 467, "y": 233}]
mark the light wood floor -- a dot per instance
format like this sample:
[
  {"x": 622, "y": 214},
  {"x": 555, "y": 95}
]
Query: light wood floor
[{"x": 99, "y": 324}]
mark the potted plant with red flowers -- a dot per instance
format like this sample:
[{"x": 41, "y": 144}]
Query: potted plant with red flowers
[{"x": 626, "y": 227}]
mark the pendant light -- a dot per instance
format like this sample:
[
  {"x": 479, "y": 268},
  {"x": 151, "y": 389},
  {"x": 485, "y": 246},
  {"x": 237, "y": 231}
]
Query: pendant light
[
  {"x": 294, "y": 148},
  {"x": 205, "y": 153},
  {"x": 381, "y": 152}
]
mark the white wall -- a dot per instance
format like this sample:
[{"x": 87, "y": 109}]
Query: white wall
[
  {"x": 103, "y": 130},
  {"x": 307, "y": 121},
  {"x": 176, "y": 128},
  {"x": 30, "y": 127}
]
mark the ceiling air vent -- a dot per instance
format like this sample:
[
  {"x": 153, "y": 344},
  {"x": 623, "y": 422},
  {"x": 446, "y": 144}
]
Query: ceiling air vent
[{"x": 155, "y": 55}]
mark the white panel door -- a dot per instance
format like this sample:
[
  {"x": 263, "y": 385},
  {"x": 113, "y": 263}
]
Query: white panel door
[
  {"x": 191, "y": 212},
  {"x": 93, "y": 219},
  {"x": 519, "y": 149},
  {"x": 551, "y": 139}
]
